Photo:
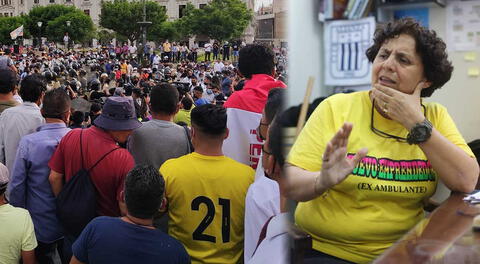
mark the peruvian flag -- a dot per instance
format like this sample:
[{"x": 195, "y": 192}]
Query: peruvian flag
[{"x": 244, "y": 111}]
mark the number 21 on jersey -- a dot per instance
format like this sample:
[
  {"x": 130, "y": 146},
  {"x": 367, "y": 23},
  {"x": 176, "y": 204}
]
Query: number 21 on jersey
[{"x": 208, "y": 219}]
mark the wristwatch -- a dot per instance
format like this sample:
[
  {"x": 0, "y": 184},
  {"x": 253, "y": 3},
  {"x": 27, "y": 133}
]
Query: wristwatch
[{"x": 421, "y": 132}]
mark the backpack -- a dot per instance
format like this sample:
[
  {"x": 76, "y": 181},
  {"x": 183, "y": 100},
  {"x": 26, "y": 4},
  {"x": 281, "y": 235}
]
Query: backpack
[{"x": 76, "y": 202}]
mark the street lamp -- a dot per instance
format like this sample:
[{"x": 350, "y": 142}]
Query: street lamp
[
  {"x": 66, "y": 39},
  {"x": 39, "y": 24},
  {"x": 143, "y": 25}
]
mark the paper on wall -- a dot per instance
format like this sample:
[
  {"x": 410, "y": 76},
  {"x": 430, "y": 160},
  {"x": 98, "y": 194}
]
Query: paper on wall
[
  {"x": 470, "y": 56},
  {"x": 473, "y": 72},
  {"x": 463, "y": 25}
]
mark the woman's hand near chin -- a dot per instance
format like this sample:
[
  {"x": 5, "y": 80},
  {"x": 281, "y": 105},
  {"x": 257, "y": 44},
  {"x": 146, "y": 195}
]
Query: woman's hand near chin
[{"x": 401, "y": 107}]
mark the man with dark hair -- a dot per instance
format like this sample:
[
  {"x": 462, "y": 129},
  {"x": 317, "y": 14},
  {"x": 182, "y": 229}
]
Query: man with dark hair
[
  {"x": 272, "y": 243},
  {"x": 8, "y": 82},
  {"x": 131, "y": 238},
  {"x": 15, "y": 122},
  {"x": 17, "y": 236},
  {"x": 263, "y": 197},
  {"x": 244, "y": 108},
  {"x": 183, "y": 114},
  {"x": 207, "y": 185},
  {"x": 198, "y": 95},
  {"x": 29, "y": 187},
  {"x": 160, "y": 139},
  {"x": 98, "y": 145},
  {"x": 77, "y": 119}
]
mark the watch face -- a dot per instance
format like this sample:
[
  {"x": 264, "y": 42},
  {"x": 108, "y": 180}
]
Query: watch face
[{"x": 421, "y": 132}]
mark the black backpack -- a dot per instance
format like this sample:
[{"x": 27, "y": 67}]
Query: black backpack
[{"x": 76, "y": 202}]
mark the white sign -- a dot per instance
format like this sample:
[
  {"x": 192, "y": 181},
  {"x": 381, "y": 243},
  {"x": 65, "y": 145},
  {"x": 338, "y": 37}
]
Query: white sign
[{"x": 345, "y": 44}]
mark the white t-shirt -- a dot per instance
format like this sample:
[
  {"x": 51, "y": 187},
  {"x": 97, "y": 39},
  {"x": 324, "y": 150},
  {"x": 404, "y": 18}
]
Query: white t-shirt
[
  {"x": 208, "y": 47},
  {"x": 132, "y": 49},
  {"x": 274, "y": 248},
  {"x": 261, "y": 203},
  {"x": 218, "y": 66}
]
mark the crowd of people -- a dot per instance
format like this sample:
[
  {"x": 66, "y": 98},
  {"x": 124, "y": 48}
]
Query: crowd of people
[
  {"x": 105, "y": 161},
  {"x": 181, "y": 161}
]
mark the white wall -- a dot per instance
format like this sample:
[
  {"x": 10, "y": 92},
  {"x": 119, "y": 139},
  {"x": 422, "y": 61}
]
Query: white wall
[
  {"x": 461, "y": 95},
  {"x": 305, "y": 50}
]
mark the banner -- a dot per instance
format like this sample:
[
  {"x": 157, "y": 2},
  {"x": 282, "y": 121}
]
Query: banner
[
  {"x": 345, "y": 44},
  {"x": 17, "y": 32}
]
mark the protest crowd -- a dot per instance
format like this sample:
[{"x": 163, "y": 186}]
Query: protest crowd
[{"x": 166, "y": 157}]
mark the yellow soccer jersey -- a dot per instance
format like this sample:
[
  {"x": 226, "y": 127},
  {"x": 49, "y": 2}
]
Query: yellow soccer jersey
[
  {"x": 206, "y": 205},
  {"x": 382, "y": 199}
]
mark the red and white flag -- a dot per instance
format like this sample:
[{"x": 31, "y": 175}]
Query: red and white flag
[
  {"x": 244, "y": 111},
  {"x": 18, "y": 32}
]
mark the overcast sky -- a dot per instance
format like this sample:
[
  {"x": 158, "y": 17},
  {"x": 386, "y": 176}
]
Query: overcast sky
[{"x": 258, "y": 3}]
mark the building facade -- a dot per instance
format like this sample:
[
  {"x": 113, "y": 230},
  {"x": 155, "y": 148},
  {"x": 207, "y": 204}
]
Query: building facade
[
  {"x": 90, "y": 7},
  {"x": 272, "y": 23}
]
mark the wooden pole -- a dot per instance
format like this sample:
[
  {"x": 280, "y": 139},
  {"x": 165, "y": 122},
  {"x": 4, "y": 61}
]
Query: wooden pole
[{"x": 306, "y": 102}]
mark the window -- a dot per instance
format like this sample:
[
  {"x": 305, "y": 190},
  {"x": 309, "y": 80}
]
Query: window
[
  {"x": 202, "y": 6},
  {"x": 87, "y": 12},
  {"x": 21, "y": 2},
  {"x": 36, "y": 1},
  {"x": 52, "y": 1},
  {"x": 181, "y": 10}
]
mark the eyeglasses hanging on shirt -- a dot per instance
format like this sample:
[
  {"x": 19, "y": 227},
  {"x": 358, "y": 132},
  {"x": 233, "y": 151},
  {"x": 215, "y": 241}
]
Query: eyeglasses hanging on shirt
[{"x": 385, "y": 134}]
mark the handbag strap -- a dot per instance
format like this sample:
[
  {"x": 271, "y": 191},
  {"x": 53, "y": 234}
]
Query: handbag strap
[
  {"x": 98, "y": 161},
  {"x": 187, "y": 132},
  {"x": 81, "y": 149},
  {"x": 104, "y": 155}
]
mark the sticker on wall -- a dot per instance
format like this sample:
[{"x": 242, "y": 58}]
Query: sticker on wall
[{"x": 345, "y": 44}]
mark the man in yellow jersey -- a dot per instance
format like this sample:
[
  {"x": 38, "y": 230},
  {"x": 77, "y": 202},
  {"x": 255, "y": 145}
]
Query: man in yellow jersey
[{"x": 206, "y": 192}]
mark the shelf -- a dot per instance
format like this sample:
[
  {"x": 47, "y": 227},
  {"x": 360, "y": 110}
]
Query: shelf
[
  {"x": 385, "y": 8},
  {"x": 407, "y": 4}
]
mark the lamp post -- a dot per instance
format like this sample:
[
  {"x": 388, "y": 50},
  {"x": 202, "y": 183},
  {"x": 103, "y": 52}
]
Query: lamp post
[
  {"x": 143, "y": 24},
  {"x": 39, "y": 24},
  {"x": 66, "y": 39}
]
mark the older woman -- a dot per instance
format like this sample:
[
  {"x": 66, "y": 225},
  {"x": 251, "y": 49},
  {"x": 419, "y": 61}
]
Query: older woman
[{"x": 354, "y": 204}]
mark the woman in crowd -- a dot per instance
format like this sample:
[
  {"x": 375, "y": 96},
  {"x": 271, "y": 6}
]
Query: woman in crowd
[{"x": 355, "y": 205}]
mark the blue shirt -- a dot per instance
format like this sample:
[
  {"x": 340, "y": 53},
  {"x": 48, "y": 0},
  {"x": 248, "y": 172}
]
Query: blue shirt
[
  {"x": 201, "y": 101},
  {"x": 112, "y": 240},
  {"x": 29, "y": 187}
]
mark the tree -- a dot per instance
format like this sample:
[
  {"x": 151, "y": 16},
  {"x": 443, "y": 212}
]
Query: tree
[
  {"x": 220, "y": 19},
  {"x": 9, "y": 24},
  {"x": 81, "y": 27},
  {"x": 104, "y": 36},
  {"x": 54, "y": 25},
  {"x": 122, "y": 17}
]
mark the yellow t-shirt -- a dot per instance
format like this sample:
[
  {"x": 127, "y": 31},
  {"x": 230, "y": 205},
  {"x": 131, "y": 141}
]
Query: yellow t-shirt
[
  {"x": 123, "y": 68},
  {"x": 183, "y": 116},
  {"x": 206, "y": 197},
  {"x": 166, "y": 47},
  {"x": 16, "y": 233},
  {"x": 382, "y": 199}
]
